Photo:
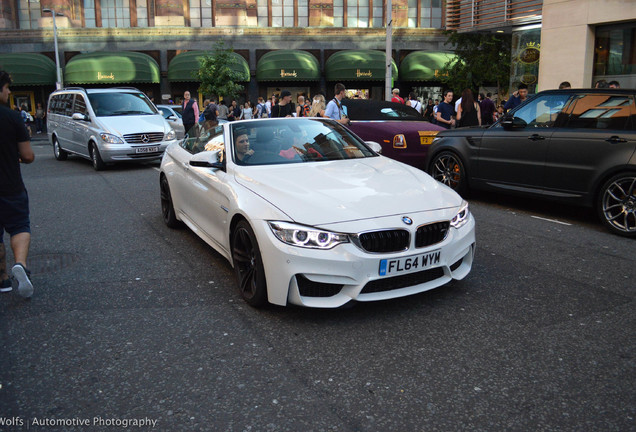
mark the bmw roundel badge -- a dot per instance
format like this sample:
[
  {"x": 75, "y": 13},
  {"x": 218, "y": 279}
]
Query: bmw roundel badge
[{"x": 407, "y": 220}]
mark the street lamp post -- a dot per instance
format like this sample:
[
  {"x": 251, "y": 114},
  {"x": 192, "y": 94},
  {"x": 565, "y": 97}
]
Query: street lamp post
[
  {"x": 388, "y": 78},
  {"x": 59, "y": 83}
]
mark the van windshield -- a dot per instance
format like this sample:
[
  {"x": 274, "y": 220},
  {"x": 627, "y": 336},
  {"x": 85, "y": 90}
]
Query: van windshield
[{"x": 118, "y": 104}]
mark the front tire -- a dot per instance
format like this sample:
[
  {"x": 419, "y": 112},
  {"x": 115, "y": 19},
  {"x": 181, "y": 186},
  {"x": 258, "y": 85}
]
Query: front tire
[
  {"x": 59, "y": 154},
  {"x": 248, "y": 265},
  {"x": 447, "y": 168},
  {"x": 616, "y": 204},
  {"x": 98, "y": 163},
  {"x": 167, "y": 207}
]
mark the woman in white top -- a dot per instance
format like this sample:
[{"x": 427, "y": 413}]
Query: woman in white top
[
  {"x": 246, "y": 112},
  {"x": 414, "y": 103}
]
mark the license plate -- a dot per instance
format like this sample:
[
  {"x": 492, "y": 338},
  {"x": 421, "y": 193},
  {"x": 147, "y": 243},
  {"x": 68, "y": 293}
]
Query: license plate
[
  {"x": 147, "y": 149},
  {"x": 409, "y": 264}
]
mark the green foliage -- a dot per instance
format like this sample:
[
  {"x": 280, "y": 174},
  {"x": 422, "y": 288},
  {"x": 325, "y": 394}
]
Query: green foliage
[
  {"x": 216, "y": 75},
  {"x": 483, "y": 59}
]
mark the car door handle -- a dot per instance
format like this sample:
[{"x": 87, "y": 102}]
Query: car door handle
[
  {"x": 615, "y": 140},
  {"x": 186, "y": 166},
  {"x": 536, "y": 137}
]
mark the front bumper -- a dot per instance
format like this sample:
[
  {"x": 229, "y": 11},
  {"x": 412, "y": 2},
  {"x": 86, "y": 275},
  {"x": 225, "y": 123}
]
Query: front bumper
[
  {"x": 332, "y": 278},
  {"x": 129, "y": 152}
]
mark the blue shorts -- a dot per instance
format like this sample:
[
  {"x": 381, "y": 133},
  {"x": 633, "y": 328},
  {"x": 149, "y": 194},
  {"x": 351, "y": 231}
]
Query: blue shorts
[{"x": 14, "y": 214}]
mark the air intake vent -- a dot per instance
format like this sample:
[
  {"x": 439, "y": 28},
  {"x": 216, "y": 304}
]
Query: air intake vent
[
  {"x": 431, "y": 234},
  {"x": 385, "y": 241}
]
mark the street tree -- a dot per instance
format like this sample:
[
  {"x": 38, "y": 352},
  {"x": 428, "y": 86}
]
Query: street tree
[
  {"x": 217, "y": 75},
  {"x": 482, "y": 59}
]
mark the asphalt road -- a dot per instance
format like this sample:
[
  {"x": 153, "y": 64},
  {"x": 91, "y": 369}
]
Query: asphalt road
[{"x": 133, "y": 322}]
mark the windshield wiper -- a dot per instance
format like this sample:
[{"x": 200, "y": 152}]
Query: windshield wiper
[{"x": 131, "y": 112}]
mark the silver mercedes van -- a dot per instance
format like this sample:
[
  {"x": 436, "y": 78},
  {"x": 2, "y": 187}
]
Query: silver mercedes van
[{"x": 106, "y": 125}]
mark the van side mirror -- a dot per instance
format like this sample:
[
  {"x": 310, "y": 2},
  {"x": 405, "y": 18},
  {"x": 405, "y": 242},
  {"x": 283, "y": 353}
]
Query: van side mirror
[{"x": 80, "y": 116}]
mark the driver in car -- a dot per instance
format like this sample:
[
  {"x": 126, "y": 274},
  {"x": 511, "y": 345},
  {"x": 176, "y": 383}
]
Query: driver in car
[{"x": 242, "y": 145}]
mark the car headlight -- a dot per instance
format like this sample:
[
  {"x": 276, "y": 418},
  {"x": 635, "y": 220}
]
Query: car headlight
[
  {"x": 461, "y": 217},
  {"x": 306, "y": 237},
  {"x": 170, "y": 135},
  {"x": 111, "y": 139}
]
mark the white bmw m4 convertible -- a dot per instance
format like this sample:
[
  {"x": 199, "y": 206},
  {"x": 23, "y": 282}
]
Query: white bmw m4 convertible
[{"x": 309, "y": 214}]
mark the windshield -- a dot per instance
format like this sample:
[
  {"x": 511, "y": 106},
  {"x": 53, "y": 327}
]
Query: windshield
[
  {"x": 118, "y": 104},
  {"x": 294, "y": 141}
]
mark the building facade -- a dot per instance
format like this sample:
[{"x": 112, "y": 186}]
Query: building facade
[{"x": 154, "y": 44}]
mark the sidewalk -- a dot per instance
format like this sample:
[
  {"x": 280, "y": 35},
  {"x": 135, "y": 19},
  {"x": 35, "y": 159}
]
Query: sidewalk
[{"x": 40, "y": 138}]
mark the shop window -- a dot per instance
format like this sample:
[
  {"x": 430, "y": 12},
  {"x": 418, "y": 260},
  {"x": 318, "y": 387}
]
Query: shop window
[{"x": 615, "y": 50}]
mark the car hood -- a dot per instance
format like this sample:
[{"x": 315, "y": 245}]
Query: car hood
[
  {"x": 129, "y": 124},
  {"x": 320, "y": 193}
]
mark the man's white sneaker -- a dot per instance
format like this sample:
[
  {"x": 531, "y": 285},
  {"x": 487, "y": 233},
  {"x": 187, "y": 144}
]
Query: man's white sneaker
[{"x": 21, "y": 275}]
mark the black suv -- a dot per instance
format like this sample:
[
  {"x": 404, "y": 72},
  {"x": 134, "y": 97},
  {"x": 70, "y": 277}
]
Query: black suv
[{"x": 576, "y": 146}]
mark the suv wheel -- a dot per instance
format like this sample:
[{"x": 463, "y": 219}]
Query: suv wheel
[
  {"x": 447, "y": 168},
  {"x": 59, "y": 154},
  {"x": 616, "y": 204},
  {"x": 98, "y": 163}
]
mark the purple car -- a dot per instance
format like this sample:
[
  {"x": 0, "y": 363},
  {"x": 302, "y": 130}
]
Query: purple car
[{"x": 399, "y": 129}]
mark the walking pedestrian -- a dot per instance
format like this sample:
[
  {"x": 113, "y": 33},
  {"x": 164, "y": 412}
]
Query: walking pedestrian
[
  {"x": 468, "y": 112},
  {"x": 487, "y": 107},
  {"x": 335, "y": 110},
  {"x": 223, "y": 110},
  {"x": 517, "y": 97},
  {"x": 445, "y": 111},
  {"x": 190, "y": 113},
  {"x": 414, "y": 103},
  {"x": 302, "y": 110},
  {"x": 15, "y": 148},
  {"x": 40, "y": 115},
  {"x": 317, "y": 107},
  {"x": 396, "y": 96},
  {"x": 285, "y": 107},
  {"x": 246, "y": 112}
]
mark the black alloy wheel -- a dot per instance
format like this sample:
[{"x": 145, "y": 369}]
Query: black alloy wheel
[
  {"x": 167, "y": 208},
  {"x": 447, "y": 168},
  {"x": 59, "y": 154},
  {"x": 617, "y": 204},
  {"x": 248, "y": 265}
]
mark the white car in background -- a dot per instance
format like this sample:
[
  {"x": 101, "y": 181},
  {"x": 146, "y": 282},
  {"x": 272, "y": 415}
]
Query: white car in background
[{"x": 309, "y": 214}]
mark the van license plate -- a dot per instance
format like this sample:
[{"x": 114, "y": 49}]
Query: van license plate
[
  {"x": 409, "y": 264},
  {"x": 146, "y": 149}
]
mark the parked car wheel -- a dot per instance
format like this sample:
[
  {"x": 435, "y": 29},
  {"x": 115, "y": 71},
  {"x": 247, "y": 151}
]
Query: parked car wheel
[
  {"x": 98, "y": 163},
  {"x": 248, "y": 265},
  {"x": 617, "y": 204},
  {"x": 167, "y": 208},
  {"x": 59, "y": 154},
  {"x": 447, "y": 168}
]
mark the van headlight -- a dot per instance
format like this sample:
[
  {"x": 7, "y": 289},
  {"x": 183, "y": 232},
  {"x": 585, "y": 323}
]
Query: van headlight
[
  {"x": 306, "y": 237},
  {"x": 170, "y": 135},
  {"x": 111, "y": 139},
  {"x": 461, "y": 217}
]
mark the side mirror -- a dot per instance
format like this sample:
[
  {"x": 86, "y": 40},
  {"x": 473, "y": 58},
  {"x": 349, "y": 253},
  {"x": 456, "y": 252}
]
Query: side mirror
[
  {"x": 171, "y": 117},
  {"x": 208, "y": 159},
  {"x": 509, "y": 122},
  {"x": 80, "y": 116},
  {"x": 374, "y": 146}
]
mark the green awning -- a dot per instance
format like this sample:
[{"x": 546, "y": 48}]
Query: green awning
[
  {"x": 424, "y": 65},
  {"x": 288, "y": 65},
  {"x": 358, "y": 65},
  {"x": 111, "y": 68},
  {"x": 29, "y": 69},
  {"x": 183, "y": 66}
]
